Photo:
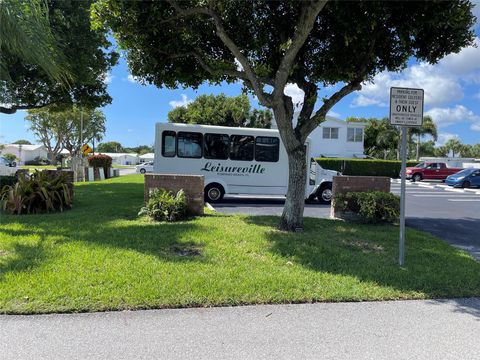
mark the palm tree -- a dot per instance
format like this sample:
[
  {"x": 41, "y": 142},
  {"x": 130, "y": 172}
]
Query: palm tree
[
  {"x": 25, "y": 33},
  {"x": 428, "y": 128},
  {"x": 389, "y": 139},
  {"x": 454, "y": 145}
]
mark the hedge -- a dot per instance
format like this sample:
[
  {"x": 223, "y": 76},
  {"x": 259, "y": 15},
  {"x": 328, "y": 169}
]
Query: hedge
[{"x": 364, "y": 167}]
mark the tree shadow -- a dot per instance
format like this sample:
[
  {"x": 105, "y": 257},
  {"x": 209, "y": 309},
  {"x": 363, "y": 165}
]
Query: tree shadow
[
  {"x": 23, "y": 257},
  {"x": 469, "y": 306},
  {"x": 369, "y": 253}
]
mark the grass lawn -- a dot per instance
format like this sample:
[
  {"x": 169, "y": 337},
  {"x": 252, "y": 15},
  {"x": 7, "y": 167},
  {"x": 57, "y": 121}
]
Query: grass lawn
[
  {"x": 39, "y": 167},
  {"x": 101, "y": 256}
]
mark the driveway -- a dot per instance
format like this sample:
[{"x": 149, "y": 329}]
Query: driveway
[{"x": 433, "y": 329}]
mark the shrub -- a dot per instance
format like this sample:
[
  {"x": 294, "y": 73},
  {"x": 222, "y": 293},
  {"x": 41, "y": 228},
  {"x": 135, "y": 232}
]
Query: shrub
[
  {"x": 364, "y": 167},
  {"x": 163, "y": 205},
  {"x": 371, "y": 206},
  {"x": 100, "y": 161},
  {"x": 10, "y": 157},
  {"x": 37, "y": 161},
  {"x": 37, "y": 193},
  {"x": 7, "y": 180}
]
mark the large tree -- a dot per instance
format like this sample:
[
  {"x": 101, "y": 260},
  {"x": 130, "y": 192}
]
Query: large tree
[
  {"x": 30, "y": 82},
  {"x": 110, "y": 147},
  {"x": 428, "y": 128},
  {"x": 49, "y": 128},
  {"x": 268, "y": 44},
  {"x": 221, "y": 110}
]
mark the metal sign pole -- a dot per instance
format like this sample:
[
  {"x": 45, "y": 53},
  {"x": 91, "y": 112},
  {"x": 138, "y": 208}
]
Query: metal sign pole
[{"x": 401, "y": 257}]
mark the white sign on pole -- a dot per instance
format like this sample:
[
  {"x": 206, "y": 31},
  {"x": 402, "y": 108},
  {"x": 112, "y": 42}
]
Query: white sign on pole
[{"x": 406, "y": 106}]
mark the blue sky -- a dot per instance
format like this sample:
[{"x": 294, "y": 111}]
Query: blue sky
[{"x": 452, "y": 98}]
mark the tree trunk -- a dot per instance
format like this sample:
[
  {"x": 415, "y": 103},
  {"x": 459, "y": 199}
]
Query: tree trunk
[{"x": 292, "y": 216}]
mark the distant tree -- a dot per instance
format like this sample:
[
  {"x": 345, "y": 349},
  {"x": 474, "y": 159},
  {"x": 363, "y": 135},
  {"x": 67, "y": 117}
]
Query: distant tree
[
  {"x": 221, "y": 110},
  {"x": 454, "y": 146},
  {"x": 48, "y": 127},
  {"x": 269, "y": 44},
  {"x": 441, "y": 151},
  {"x": 110, "y": 147},
  {"x": 427, "y": 148},
  {"x": 428, "y": 128},
  {"x": 93, "y": 128},
  {"x": 475, "y": 151},
  {"x": 30, "y": 73},
  {"x": 22, "y": 142}
]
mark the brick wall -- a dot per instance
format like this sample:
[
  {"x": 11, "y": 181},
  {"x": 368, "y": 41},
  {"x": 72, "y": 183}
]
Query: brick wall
[
  {"x": 345, "y": 184},
  {"x": 192, "y": 185}
]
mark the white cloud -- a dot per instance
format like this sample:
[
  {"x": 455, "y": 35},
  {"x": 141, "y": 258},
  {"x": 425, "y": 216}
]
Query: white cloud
[
  {"x": 108, "y": 78},
  {"x": 443, "y": 82},
  {"x": 184, "y": 102},
  {"x": 444, "y": 137},
  {"x": 295, "y": 93},
  {"x": 133, "y": 79},
  {"x": 333, "y": 114},
  {"x": 448, "y": 116}
]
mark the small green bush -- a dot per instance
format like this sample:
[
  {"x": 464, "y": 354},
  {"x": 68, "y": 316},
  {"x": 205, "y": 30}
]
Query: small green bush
[
  {"x": 163, "y": 205},
  {"x": 40, "y": 192},
  {"x": 371, "y": 206},
  {"x": 38, "y": 161},
  {"x": 10, "y": 157},
  {"x": 364, "y": 167}
]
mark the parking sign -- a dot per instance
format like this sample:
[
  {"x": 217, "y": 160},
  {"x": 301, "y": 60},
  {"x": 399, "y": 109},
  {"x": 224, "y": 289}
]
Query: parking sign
[{"x": 406, "y": 106}]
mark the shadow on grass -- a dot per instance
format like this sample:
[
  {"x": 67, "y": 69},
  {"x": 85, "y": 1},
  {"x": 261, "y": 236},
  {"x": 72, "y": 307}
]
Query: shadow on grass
[
  {"x": 23, "y": 257},
  {"x": 370, "y": 253}
]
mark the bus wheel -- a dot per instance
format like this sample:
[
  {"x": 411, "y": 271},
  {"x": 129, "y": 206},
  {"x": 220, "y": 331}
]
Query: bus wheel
[
  {"x": 324, "y": 194},
  {"x": 214, "y": 193}
]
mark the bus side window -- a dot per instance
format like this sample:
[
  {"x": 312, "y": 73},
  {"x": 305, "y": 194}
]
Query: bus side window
[
  {"x": 216, "y": 146},
  {"x": 267, "y": 148},
  {"x": 241, "y": 147},
  {"x": 189, "y": 144},
  {"x": 168, "y": 144}
]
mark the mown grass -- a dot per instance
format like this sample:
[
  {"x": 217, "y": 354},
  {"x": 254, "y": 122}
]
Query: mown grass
[{"x": 101, "y": 256}]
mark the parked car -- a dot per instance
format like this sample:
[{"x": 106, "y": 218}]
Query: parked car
[
  {"x": 465, "y": 178},
  {"x": 7, "y": 167},
  {"x": 146, "y": 167},
  {"x": 430, "y": 171}
]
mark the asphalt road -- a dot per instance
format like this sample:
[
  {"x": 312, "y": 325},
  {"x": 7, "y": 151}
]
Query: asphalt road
[
  {"x": 451, "y": 214},
  {"x": 437, "y": 329}
]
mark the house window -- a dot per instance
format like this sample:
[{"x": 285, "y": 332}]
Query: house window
[
  {"x": 330, "y": 133},
  {"x": 267, "y": 148},
  {"x": 355, "y": 134},
  {"x": 168, "y": 143},
  {"x": 189, "y": 145},
  {"x": 241, "y": 147},
  {"x": 216, "y": 146}
]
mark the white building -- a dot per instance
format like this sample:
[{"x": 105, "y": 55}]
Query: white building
[
  {"x": 146, "y": 157},
  {"x": 336, "y": 138},
  {"x": 123, "y": 158},
  {"x": 25, "y": 152}
]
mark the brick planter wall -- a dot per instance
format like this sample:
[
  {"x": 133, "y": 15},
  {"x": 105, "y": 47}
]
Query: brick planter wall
[
  {"x": 192, "y": 185},
  {"x": 345, "y": 184}
]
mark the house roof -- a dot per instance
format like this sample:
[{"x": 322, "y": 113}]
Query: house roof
[
  {"x": 25, "y": 147},
  {"x": 147, "y": 156}
]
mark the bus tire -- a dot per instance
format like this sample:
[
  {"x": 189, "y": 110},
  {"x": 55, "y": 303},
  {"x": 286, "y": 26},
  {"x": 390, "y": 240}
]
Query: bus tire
[
  {"x": 324, "y": 193},
  {"x": 214, "y": 193}
]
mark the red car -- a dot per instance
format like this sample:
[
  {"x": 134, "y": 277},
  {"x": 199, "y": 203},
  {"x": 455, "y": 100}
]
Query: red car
[{"x": 430, "y": 171}]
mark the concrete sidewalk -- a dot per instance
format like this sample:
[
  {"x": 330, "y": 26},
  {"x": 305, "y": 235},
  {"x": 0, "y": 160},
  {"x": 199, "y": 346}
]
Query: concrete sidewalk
[{"x": 435, "y": 329}]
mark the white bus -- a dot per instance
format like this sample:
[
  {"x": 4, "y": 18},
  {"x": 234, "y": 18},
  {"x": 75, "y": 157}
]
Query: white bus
[{"x": 234, "y": 160}]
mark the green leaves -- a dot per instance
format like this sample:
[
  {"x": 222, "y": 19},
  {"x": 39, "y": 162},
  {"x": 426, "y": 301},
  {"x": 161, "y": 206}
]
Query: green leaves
[{"x": 163, "y": 205}]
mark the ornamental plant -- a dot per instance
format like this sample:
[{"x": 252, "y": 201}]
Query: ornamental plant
[
  {"x": 38, "y": 193},
  {"x": 100, "y": 161},
  {"x": 163, "y": 205}
]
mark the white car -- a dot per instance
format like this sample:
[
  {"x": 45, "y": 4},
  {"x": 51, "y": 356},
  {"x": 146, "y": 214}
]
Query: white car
[
  {"x": 146, "y": 167},
  {"x": 7, "y": 168}
]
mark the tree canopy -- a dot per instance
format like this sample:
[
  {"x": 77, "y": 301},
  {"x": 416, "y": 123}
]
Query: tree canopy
[
  {"x": 268, "y": 44},
  {"x": 221, "y": 110},
  {"x": 28, "y": 83},
  {"x": 110, "y": 147},
  {"x": 22, "y": 142}
]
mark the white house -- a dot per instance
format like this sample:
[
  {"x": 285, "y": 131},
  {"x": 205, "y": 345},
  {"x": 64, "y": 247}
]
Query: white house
[
  {"x": 25, "y": 152},
  {"x": 336, "y": 138},
  {"x": 123, "y": 158},
  {"x": 146, "y": 157}
]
